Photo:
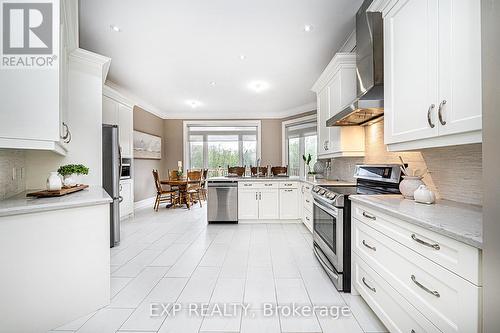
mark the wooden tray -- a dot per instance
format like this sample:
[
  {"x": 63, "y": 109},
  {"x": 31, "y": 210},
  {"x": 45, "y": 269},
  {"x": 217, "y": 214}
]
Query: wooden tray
[{"x": 59, "y": 193}]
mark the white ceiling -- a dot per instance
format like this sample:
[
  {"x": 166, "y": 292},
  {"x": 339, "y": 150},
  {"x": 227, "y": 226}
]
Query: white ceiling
[{"x": 169, "y": 51}]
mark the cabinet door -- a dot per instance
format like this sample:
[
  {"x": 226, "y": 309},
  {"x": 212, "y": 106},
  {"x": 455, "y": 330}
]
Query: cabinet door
[
  {"x": 248, "y": 204},
  {"x": 109, "y": 111},
  {"x": 269, "y": 204},
  {"x": 289, "y": 204},
  {"x": 460, "y": 66},
  {"x": 323, "y": 115},
  {"x": 127, "y": 205},
  {"x": 126, "y": 129},
  {"x": 411, "y": 76}
]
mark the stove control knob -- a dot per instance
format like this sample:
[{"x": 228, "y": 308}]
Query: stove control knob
[
  {"x": 322, "y": 192},
  {"x": 330, "y": 196}
]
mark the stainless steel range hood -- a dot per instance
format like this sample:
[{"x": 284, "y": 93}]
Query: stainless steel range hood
[{"x": 369, "y": 105}]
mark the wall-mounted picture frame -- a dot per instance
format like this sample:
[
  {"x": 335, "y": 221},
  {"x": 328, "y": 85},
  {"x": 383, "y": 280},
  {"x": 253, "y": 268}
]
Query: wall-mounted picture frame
[{"x": 147, "y": 146}]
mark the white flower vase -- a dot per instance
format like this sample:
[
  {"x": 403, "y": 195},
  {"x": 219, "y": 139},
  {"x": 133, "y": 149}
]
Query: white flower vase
[
  {"x": 70, "y": 180},
  {"x": 409, "y": 185},
  {"x": 54, "y": 182}
]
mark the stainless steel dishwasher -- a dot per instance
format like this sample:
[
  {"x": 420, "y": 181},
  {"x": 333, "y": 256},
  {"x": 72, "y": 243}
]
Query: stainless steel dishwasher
[{"x": 222, "y": 201}]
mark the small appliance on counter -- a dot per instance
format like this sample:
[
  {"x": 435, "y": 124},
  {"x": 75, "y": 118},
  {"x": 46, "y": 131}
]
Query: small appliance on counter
[{"x": 332, "y": 218}]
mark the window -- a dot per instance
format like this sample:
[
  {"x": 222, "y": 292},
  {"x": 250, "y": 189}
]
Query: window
[
  {"x": 300, "y": 139},
  {"x": 217, "y": 144}
]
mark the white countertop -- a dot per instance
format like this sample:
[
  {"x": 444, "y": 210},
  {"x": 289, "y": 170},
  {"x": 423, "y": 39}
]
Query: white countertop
[
  {"x": 462, "y": 222},
  {"x": 312, "y": 181},
  {"x": 20, "y": 204}
]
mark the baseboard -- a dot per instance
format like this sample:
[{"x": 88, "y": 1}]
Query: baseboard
[
  {"x": 269, "y": 221},
  {"x": 149, "y": 202}
]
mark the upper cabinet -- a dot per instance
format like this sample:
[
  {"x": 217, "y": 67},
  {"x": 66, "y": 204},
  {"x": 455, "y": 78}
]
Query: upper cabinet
[
  {"x": 432, "y": 73},
  {"x": 34, "y": 88},
  {"x": 335, "y": 89},
  {"x": 117, "y": 110}
]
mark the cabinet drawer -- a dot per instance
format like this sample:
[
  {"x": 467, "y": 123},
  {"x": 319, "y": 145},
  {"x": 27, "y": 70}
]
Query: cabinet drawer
[
  {"x": 307, "y": 218},
  {"x": 458, "y": 257},
  {"x": 288, "y": 185},
  {"x": 267, "y": 185},
  {"x": 447, "y": 300},
  {"x": 393, "y": 310},
  {"x": 308, "y": 202},
  {"x": 247, "y": 185}
]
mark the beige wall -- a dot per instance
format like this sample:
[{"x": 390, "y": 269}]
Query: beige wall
[
  {"x": 174, "y": 146},
  {"x": 455, "y": 173},
  {"x": 271, "y": 142},
  {"x": 144, "y": 187},
  {"x": 491, "y": 139}
]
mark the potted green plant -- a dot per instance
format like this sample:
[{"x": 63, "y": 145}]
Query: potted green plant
[
  {"x": 70, "y": 171},
  {"x": 307, "y": 160}
]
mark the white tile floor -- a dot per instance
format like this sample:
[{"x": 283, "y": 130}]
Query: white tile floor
[{"x": 173, "y": 256}]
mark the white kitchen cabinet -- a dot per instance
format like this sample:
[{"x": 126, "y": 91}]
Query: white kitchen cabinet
[
  {"x": 269, "y": 202},
  {"x": 34, "y": 100},
  {"x": 116, "y": 110},
  {"x": 419, "y": 269},
  {"x": 306, "y": 204},
  {"x": 289, "y": 204},
  {"x": 432, "y": 56},
  {"x": 126, "y": 197},
  {"x": 248, "y": 204},
  {"x": 335, "y": 89}
]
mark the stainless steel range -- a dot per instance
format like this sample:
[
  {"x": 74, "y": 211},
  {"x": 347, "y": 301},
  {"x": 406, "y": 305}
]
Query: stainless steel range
[{"x": 332, "y": 218}]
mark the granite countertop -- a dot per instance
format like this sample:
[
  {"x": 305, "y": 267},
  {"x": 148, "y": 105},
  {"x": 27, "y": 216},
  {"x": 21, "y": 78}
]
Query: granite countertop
[
  {"x": 20, "y": 204},
  {"x": 313, "y": 182},
  {"x": 462, "y": 222}
]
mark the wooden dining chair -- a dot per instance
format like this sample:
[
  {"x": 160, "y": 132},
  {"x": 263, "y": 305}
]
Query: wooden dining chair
[
  {"x": 279, "y": 170},
  {"x": 239, "y": 171},
  {"x": 204, "y": 190},
  {"x": 162, "y": 195},
  {"x": 193, "y": 190},
  {"x": 173, "y": 175},
  {"x": 255, "y": 170}
]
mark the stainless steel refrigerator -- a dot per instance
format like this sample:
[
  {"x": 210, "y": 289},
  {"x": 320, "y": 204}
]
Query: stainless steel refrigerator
[{"x": 111, "y": 171}]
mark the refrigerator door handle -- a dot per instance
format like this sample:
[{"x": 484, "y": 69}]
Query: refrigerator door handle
[{"x": 120, "y": 157}]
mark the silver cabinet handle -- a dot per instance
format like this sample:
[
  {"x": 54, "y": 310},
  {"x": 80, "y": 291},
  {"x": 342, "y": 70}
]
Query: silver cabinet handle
[
  {"x": 434, "y": 246},
  {"x": 288, "y": 190},
  {"x": 368, "y": 286},
  {"x": 67, "y": 136},
  {"x": 307, "y": 218},
  {"x": 260, "y": 195},
  {"x": 325, "y": 145},
  {"x": 431, "y": 107},
  {"x": 368, "y": 246},
  {"x": 256, "y": 196},
  {"x": 307, "y": 201},
  {"x": 120, "y": 199},
  {"x": 433, "y": 293},
  {"x": 368, "y": 216},
  {"x": 302, "y": 189},
  {"x": 440, "y": 112},
  {"x": 413, "y": 331},
  {"x": 268, "y": 185}
]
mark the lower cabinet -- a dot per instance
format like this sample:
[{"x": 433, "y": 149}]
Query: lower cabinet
[
  {"x": 127, "y": 198},
  {"x": 268, "y": 201},
  {"x": 289, "y": 208},
  {"x": 307, "y": 206},
  {"x": 411, "y": 286}
]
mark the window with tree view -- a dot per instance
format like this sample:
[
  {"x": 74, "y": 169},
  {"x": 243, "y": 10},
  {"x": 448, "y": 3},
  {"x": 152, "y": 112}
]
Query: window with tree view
[
  {"x": 216, "y": 147},
  {"x": 301, "y": 140}
]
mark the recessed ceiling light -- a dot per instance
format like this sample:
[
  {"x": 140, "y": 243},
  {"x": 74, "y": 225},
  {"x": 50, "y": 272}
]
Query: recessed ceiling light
[
  {"x": 308, "y": 28},
  {"x": 115, "y": 28},
  {"x": 193, "y": 103},
  {"x": 212, "y": 83},
  {"x": 258, "y": 86},
  {"x": 243, "y": 57}
]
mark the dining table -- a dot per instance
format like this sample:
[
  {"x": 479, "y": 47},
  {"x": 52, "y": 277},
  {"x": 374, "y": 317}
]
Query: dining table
[{"x": 182, "y": 185}]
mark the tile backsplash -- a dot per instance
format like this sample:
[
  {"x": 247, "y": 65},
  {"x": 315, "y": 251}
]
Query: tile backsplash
[
  {"x": 455, "y": 173},
  {"x": 11, "y": 160}
]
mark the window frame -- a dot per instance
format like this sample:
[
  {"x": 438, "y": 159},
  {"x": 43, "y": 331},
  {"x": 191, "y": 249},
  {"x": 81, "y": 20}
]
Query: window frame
[
  {"x": 218, "y": 123},
  {"x": 284, "y": 139}
]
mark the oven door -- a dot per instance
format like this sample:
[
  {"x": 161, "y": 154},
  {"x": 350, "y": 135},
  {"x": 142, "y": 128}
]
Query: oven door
[{"x": 328, "y": 233}]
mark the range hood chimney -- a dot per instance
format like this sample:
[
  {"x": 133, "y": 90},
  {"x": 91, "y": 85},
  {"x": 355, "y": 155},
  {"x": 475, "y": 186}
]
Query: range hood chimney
[{"x": 369, "y": 104}]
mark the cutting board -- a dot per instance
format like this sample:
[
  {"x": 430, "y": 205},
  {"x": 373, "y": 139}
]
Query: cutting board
[{"x": 58, "y": 193}]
